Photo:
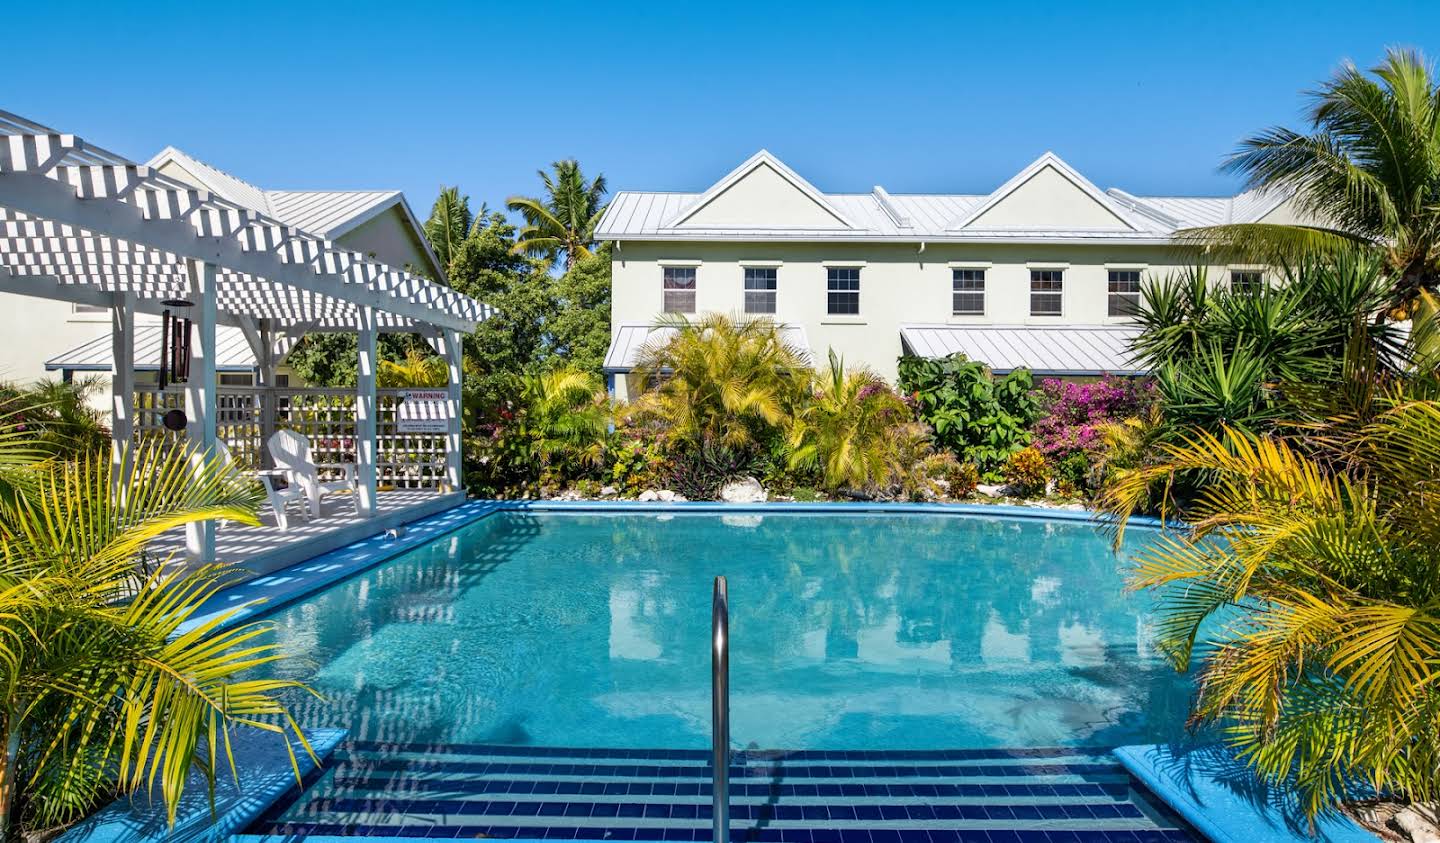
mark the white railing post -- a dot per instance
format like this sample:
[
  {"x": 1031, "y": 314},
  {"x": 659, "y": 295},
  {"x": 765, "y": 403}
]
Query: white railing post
[
  {"x": 365, "y": 428},
  {"x": 122, "y": 389},
  {"x": 200, "y": 396},
  {"x": 266, "y": 367},
  {"x": 454, "y": 459}
]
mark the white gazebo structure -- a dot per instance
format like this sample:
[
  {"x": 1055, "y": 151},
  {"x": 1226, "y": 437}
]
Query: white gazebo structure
[{"x": 83, "y": 225}]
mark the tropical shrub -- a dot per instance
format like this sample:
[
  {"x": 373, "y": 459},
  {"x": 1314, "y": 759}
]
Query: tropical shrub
[
  {"x": 1073, "y": 416},
  {"x": 637, "y": 465},
  {"x": 845, "y": 429},
  {"x": 976, "y": 416},
  {"x": 417, "y": 370},
  {"x": 56, "y": 416},
  {"x": 101, "y": 692},
  {"x": 721, "y": 382},
  {"x": 1307, "y": 592},
  {"x": 554, "y": 433},
  {"x": 1027, "y": 472},
  {"x": 699, "y": 473}
]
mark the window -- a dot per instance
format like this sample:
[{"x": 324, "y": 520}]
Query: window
[
  {"x": 843, "y": 291},
  {"x": 759, "y": 290},
  {"x": 236, "y": 379},
  {"x": 1124, "y": 292},
  {"x": 1046, "y": 292},
  {"x": 1248, "y": 281},
  {"x": 679, "y": 289},
  {"x": 88, "y": 309},
  {"x": 968, "y": 292}
]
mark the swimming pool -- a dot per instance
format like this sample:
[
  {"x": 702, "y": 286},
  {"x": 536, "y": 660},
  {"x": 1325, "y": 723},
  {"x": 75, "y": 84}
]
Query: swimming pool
[{"x": 849, "y": 632}]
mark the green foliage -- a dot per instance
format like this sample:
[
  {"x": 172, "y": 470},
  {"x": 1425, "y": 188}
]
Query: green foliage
[
  {"x": 562, "y": 222},
  {"x": 1366, "y": 173},
  {"x": 417, "y": 370},
  {"x": 637, "y": 465},
  {"x": 844, "y": 429},
  {"x": 1027, "y": 472},
  {"x": 700, "y": 471},
  {"x": 580, "y": 329},
  {"x": 102, "y": 690},
  {"x": 552, "y": 434},
  {"x": 719, "y": 382},
  {"x": 55, "y": 417},
  {"x": 332, "y": 360},
  {"x": 976, "y": 416},
  {"x": 1073, "y": 474},
  {"x": 449, "y": 223}
]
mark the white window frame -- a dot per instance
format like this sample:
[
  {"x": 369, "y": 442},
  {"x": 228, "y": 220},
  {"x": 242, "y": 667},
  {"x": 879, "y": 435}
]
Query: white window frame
[
  {"x": 977, "y": 274},
  {"x": 770, "y": 293},
  {"x": 667, "y": 271},
  {"x": 831, "y": 292},
  {"x": 1130, "y": 298},
  {"x": 1258, "y": 280},
  {"x": 1057, "y": 293}
]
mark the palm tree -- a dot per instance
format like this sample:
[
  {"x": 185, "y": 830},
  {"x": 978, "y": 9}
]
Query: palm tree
[
  {"x": 1368, "y": 172},
  {"x": 563, "y": 221},
  {"x": 108, "y": 678},
  {"x": 846, "y": 429},
  {"x": 721, "y": 381},
  {"x": 449, "y": 223},
  {"x": 566, "y": 416}
]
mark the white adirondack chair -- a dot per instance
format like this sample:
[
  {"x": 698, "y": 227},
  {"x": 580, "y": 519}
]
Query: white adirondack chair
[
  {"x": 279, "y": 496},
  {"x": 291, "y": 452}
]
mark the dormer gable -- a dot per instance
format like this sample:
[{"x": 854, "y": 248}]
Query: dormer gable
[
  {"x": 761, "y": 193},
  {"x": 1048, "y": 194}
]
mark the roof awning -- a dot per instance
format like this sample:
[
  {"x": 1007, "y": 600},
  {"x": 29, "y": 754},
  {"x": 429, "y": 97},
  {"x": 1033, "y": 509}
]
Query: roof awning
[
  {"x": 630, "y": 337},
  {"x": 1060, "y": 350},
  {"x": 232, "y": 352}
]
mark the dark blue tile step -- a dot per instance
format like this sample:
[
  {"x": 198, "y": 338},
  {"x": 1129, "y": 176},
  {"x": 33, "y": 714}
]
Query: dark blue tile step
[
  {"x": 740, "y": 790},
  {"x": 764, "y": 835},
  {"x": 788, "y": 771},
  {"x": 704, "y": 754}
]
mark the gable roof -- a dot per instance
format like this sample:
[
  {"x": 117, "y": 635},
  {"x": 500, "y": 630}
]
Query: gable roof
[
  {"x": 329, "y": 213},
  {"x": 760, "y": 160},
  {"x": 1048, "y": 161},
  {"x": 929, "y": 217}
]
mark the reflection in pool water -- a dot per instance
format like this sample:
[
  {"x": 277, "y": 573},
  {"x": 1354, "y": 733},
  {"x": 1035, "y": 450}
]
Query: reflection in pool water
[{"x": 848, "y": 631}]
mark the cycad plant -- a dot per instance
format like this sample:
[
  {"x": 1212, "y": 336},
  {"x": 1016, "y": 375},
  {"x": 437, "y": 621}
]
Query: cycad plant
[
  {"x": 109, "y": 681},
  {"x": 1367, "y": 172},
  {"x": 846, "y": 429},
  {"x": 727, "y": 382}
]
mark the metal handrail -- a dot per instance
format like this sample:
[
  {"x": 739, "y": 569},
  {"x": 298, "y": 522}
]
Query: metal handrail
[{"x": 720, "y": 708}]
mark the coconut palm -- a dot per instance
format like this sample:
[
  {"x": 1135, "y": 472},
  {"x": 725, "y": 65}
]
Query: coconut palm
[
  {"x": 719, "y": 380},
  {"x": 1368, "y": 171},
  {"x": 109, "y": 680},
  {"x": 562, "y": 222},
  {"x": 449, "y": 223},
  {"x": 846, "y": 428}
]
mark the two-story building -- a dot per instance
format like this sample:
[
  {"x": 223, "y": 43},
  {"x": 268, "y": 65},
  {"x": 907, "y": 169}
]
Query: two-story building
[{"x": 1042, "y": 273}]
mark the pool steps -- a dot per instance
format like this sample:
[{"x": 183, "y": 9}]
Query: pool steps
[{"x": 963, "y": 796}]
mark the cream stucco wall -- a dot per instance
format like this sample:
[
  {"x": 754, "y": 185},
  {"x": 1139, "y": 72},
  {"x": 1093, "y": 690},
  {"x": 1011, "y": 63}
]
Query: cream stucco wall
[
  {"x": 898, "y": 284},
  {"x": 1049, "y": 200},
  {"x": 763, "y": 187},
  {"x": 390, "y": 239}
]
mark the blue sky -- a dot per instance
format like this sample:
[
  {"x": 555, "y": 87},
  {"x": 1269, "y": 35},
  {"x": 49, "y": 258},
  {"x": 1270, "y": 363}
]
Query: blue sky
[{"x": 913, "y": 96}]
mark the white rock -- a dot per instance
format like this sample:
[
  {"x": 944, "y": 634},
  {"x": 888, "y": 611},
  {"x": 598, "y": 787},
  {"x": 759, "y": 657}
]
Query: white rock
[
  {"x": 648, "y": 496},
  {"x": 665, "y": 495},
  {"x": 747, "y": 490},
  {"x": 609, "y": 492},
  {"x": 989, "y": 491},
  {"x": 1418, "y": 821}
]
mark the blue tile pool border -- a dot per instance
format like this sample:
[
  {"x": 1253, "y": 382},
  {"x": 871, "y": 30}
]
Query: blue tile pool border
[{"x": 265, "y": 594}]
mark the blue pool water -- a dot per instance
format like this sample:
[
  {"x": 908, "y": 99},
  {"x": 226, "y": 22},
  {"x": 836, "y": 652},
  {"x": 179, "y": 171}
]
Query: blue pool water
[{"x": 849, "y": 631}]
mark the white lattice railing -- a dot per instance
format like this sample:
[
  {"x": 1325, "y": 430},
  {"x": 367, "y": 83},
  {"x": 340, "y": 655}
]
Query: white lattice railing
[{"x": 325, "y": 416}]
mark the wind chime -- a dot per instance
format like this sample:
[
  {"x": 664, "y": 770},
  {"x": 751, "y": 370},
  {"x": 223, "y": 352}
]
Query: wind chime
[{"x": 175, "y": 352}]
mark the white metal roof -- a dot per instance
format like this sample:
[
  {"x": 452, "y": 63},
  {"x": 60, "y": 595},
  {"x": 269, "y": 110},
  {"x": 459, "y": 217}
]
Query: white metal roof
[
  {"x": 880, "y": 215},
  {"x": 1071, "y": 350},
  {"x": 80, "y": 224},
  {"x": 629, "y": 337},
  {"x": 328, "y": 213},
  {"x": 232, "y": 352}
]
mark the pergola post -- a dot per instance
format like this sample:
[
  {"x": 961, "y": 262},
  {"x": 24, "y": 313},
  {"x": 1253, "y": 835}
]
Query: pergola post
[
  {"x": 200, "y": 395},
  {"x": 454, "y": 460},
  {"x": 365, "y": 428},
  {"x": 122, "y": 388},
  {"x": 266, "y": 367}
]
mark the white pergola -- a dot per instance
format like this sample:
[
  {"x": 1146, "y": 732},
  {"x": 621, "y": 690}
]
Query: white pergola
[{"x": 83, "y": 225}]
